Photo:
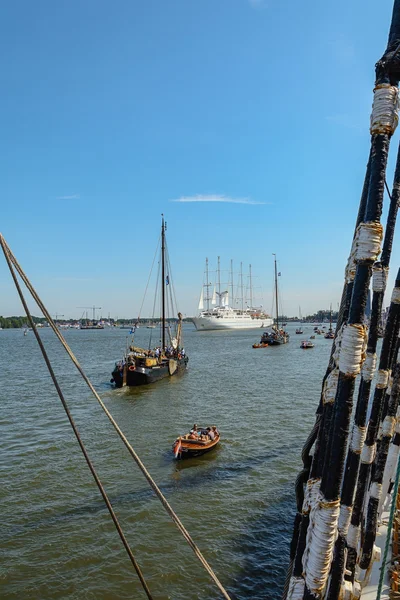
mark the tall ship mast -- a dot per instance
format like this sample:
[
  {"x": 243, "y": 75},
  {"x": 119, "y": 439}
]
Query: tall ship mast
[{"x": 223, "y": 314}]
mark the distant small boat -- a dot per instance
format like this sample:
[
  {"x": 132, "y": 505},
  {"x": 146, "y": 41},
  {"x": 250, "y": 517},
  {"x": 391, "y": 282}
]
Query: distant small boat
[
  {"x": 299, "y": 330},
  {"x": 195, "y": 444},
  {"x": 306, "y": 344},
  {"x": 312, "y": 337},
  {"x": 150, "y": 326}
]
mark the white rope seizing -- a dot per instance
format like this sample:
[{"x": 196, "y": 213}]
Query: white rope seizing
[
  {"x": 358, "y": 435},
  {"x": 389, "y": 473},
  {"x": 311, "y": 494},
  {"x": 351, "y": 267},
  {"x": 375, "y": 490},
  {"x": 344, "y": 519},
  {"x": 321, "y": 536},
  {"x": 379, "y": 278},
  {"x": 384, "y": 117},
  {"x": 296, "y": 588},
  {"x": 395, "y": 299},
  {"x": 369, "y": 366},
  {"x": 330, "y": 387},
  {"x": 368, "y": 454},
  {"x": 338, "y": 344},
  {"x": 389, "y": 386},
  {"x": 382, "y": 378},
  {"x": 388, "y": 426},
  {"x": 353, "y": 536},
  {"x": 351, "y": 352},
  {"x": 367, "y": 241}
]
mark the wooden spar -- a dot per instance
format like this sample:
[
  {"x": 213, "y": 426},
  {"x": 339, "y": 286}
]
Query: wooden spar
[
  {"x": 207, "y": 287},
  {"x": 276, "y": 293},
  {"x": 163, "y": 282}
]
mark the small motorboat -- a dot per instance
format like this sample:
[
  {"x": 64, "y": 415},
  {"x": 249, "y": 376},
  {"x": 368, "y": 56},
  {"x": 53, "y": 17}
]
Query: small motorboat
[
  {"x": 329, "y": 335},
  {"x": 306, "y": 344},
  {"x": 196, "y": 443},
  {"x": 260, "y": 345},
  {"x": 299, "y": 330},
  {"x": 312, "y": 337}
]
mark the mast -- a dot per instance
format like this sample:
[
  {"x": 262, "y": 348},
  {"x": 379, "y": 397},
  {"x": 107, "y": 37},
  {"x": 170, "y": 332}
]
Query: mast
[
  {"x": 251, "y": 288},
  {"x": 163, "y": 281},
  {"x": 276, "y": 293},
  {"x": 231, "y": 303},
  {"x": 207, "y": 287},
  {"x": 241, "y": 283},
  {"x": 330, "y": 318},
  {"x": 219, "y": 282}
]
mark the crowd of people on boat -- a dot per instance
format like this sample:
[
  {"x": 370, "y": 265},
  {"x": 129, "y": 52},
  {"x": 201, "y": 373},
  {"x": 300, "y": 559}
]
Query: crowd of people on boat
[
  {"x": 158, "y": 352},
  {"x": 203, "y": 435}
]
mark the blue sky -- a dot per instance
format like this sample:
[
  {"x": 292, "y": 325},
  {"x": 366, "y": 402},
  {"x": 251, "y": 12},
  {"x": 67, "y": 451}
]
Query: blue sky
[{"x": 111, "y": 112}]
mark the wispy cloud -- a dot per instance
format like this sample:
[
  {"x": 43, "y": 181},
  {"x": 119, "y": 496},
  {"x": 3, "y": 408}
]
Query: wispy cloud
[
  {"x": 71, "y": 197},
  {"x": 216, "y": 198}
]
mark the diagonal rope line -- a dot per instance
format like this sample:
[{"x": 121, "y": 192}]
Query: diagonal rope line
[
  {"x": 132, "y": 452},
  {"x": 148, "y": 279},
  {"x": 73, "y": 425}
]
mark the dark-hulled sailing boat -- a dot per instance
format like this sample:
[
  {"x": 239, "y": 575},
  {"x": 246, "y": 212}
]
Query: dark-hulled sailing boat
[
  {"x": 277, "y": 335},
  {"x": 140, "y": 366},
  {"x": 330, "y": 335}
]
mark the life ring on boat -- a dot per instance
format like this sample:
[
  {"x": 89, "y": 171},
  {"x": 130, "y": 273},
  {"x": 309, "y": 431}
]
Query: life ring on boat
[{"x": 131, "y": 367}]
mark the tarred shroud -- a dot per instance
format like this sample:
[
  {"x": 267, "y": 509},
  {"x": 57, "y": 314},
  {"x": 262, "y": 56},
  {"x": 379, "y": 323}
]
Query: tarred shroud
[{"x": 331, "y": 431}]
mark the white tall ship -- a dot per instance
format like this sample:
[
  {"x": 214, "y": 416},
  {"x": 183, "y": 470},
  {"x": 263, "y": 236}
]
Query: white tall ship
[{"x": 220, "y": 315}]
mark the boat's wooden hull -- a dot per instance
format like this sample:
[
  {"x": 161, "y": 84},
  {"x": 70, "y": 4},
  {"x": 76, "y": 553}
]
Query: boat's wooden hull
[
  {"x": 145, "y": 375},
  {"x": 191, "y": 448}
]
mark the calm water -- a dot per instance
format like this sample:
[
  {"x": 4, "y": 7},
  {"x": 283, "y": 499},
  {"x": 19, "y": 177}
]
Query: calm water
[{"x": 57, "y": 540}]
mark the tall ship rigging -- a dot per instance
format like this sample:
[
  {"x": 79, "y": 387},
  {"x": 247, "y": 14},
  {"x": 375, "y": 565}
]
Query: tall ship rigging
[
  {"x": 217, "y": 311},
  {"x": 141, "y": 366}
]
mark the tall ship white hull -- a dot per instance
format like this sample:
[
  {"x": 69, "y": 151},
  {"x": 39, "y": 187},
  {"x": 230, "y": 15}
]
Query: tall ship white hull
[{"x": 210, "y": 322}]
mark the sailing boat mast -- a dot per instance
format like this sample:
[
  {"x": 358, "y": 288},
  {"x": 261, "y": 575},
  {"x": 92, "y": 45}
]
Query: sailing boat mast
[
  {"x": 219, "y": 282},
  {"x": 251, "y": 288},
  {"x": 231, "y": 302},
  {"x": 163, "y": 227},
  {"x": 276, "y": 293},
  {"x": 241, "y": 284},
  {"x": 207, "y": 287}
]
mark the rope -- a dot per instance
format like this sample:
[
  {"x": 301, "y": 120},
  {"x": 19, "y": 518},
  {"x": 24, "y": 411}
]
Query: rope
[
  {"x": 132, "y": 452},
  {"x": 148, "y": 279},
  {"x": 389, "y": 530},
  {"x": 287, "y": 580},
  {"x": 74, "y": 428}
]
